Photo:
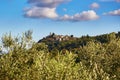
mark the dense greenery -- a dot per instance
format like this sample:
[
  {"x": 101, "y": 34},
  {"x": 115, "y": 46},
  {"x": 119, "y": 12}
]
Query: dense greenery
[{"x": 85, "y": 58}]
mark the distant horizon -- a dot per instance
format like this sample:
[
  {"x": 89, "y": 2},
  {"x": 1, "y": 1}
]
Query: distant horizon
[
  {"x": 39, "y": 38},
  {"x": 66, "y": 17}
]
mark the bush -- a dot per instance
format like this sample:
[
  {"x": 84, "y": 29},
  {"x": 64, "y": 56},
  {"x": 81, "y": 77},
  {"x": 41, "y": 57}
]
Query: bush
[{"x": 26, "y": 60}]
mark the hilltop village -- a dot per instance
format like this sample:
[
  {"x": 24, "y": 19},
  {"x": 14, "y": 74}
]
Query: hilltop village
[{"x": 58, "y": 38}]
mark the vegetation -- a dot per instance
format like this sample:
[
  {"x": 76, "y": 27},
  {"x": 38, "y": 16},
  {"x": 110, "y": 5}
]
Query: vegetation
[{"x": 85, "y": 58}]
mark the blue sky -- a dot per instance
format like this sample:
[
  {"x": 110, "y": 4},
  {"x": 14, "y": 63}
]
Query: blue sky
[{"x": 77, "y": 17}]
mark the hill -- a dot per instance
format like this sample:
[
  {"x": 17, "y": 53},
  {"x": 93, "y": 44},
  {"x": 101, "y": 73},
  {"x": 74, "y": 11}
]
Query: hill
[{"x": 61, "y": 42}]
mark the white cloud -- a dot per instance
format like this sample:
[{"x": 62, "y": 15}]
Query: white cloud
[
  {"x": 47, "y": 3},
  {"x": 47, "y": 9},
  {"x": 117, "y": 0},
  {"x": 106, "y": 0},
  {"x": 41, "y": 12},
  {"x": 64, "y": 9},
  {"x": 113, "y": 13},
  {"x": 94, "y": 5},
  {"x": 110, "y": 1},
  {"x": 43, "y": 8},
  {"x": 84, "y": 16}
]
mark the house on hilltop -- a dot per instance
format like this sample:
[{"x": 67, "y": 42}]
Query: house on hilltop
[{"x": 55, "y": 37}]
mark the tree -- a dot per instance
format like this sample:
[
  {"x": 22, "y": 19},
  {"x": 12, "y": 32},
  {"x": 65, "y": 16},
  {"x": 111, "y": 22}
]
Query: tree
[
  {"x": 112, "y": 36},
  {"x": 28, "y": 35},
  {"x": 7, "y": 40}
]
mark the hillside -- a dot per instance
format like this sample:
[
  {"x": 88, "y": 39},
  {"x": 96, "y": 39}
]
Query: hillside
[{"x": 61, "y": 42}]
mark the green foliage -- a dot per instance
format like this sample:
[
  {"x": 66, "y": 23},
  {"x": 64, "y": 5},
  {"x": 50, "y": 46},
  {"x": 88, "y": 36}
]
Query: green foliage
[
  {"x": 94, "y": 60},
  {"x": 28, "y": 35},
  {"x": 7, "y": 40}
]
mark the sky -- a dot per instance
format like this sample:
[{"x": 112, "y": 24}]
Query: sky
[{"x": 64, "y": 17}]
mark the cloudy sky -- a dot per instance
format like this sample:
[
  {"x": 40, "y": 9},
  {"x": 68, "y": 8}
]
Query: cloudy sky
[{"x": 77, "y": 17}]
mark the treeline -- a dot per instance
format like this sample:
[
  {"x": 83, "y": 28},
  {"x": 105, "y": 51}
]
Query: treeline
[
  {"x": 85, "y": 58},
  {"x": 74, "y": 43}
]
